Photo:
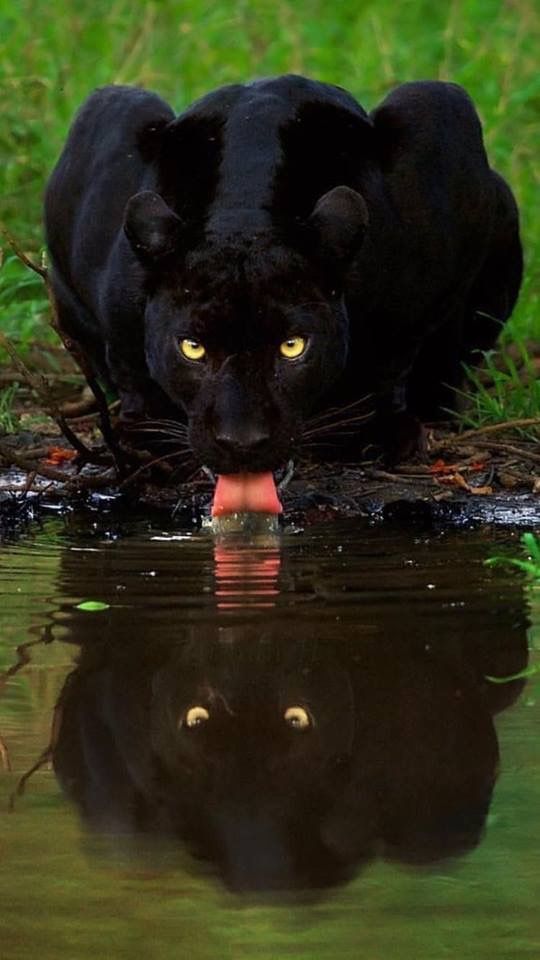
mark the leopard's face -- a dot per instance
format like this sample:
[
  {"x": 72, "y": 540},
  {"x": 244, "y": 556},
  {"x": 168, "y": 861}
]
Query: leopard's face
[{"x": 246, "y": 343}]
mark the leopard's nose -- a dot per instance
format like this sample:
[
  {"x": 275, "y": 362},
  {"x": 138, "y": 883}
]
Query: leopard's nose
[
  {"x": 244, "y": 440},
  {"x": 240, "y": 421}
]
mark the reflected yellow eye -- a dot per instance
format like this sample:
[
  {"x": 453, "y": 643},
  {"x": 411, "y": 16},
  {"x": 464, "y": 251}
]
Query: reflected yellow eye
[
  {"x": 293, "y": 347},
  {"x": 297, "y": 717},
  {"x": 192, "y": 349},
  {"x": 196, "y": 716}
]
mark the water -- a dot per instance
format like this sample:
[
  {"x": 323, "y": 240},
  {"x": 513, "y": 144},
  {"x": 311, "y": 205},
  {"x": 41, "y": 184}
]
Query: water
[{"x": 283, "y": 749}]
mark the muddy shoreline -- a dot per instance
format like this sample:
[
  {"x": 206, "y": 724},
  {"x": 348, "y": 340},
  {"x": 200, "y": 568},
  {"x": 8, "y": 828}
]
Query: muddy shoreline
[{"x": 321, "y": 494}]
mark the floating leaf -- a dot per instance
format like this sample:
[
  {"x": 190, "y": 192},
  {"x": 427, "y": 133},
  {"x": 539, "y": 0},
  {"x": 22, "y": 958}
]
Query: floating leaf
[{"x": 92, "y": 605}]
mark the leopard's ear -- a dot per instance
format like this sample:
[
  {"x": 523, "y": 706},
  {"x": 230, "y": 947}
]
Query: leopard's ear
[
  {"x": 152, "y": 228},
  {"x": 338, "y": 224}
]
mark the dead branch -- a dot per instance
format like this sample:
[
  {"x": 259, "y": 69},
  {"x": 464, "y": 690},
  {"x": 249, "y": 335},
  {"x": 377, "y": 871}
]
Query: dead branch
[
  {"x": 69, "y": 483},
  {"x": 426, "y": 470},
  {"x": 23, "y": 658},
  {"x": 490, "y": 428},
  {"x": 79, "y": 357},
  {"x": 39, "y": 385},
  {"x": 398, "y": 477},
  {"x": 85, "y": 406},
  {"x": 161, "y": 461},
  {"x": 22, "y": 256},
  {"x": 521, "y": 452},
  {"x": 80, "y": 419},
  {"x": 45, "y": 757},
  {"x": 12, "y": 458},
  {"x": 81, "y": 361},
  {"x": 4, "y": 755}
]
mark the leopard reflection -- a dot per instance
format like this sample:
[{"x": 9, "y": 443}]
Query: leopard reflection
[{"x": 284, "y": 760}]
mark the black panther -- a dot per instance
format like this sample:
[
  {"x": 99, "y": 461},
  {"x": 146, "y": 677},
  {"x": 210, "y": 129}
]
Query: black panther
[{"x": 276, "y": 250}]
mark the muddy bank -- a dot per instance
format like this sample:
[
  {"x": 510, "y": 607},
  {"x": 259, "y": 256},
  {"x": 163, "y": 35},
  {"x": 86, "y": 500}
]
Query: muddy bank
[{"x": 442, "y": 493}]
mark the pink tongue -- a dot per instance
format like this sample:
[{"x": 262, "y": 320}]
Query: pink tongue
[{"x": 245, "y": 493}]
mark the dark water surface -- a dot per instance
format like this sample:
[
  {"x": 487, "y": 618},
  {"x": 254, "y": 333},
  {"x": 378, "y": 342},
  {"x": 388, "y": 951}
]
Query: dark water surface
[{"x": 287, "y": 749}]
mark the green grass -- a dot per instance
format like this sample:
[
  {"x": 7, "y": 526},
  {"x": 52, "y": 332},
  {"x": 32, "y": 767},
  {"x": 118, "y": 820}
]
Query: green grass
[
  {"x": 52, "y": 55},
  {"x": 9, "y": 420},
  {"x": 530, "y": 565},
  {"x": 510, "y": 393},
  {"x": 23, "y": 303}
]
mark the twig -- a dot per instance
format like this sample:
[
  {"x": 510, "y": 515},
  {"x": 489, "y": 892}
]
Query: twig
[
  {"x": 80, "y": 483},
  {"x": 398, "y": 478},
  {"x": 45, "y": 757},
  {"x": 520, "y": 452},
  {"x": 78, "y": 356},
  {"x": 69, "y": 482},
  {"x": 490, "y": 428},
  {"x": 85, "y": 406},
  {"x": 147, "y": 466},
  {"x": 29, "y": 484},
  {"x": 412, "y": 471},
  {"x": 4, "y": 755},
  {"x": 23, "y": 657},
  {"x": 39, "y": 385},
  {"x": 32, "y": 453},
  {"x": 426, "y": 470},
  {"x": 12, "y": 458},
  {"x": 81, "y": 421},
  {"x": 22, "y": 256}
]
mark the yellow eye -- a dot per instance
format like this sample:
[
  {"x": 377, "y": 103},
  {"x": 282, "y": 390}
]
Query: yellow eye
[
  {"x": 196, "y": 716},
  {"x": 293, "y": 347},
  {"x": 297, "y": 717},
  {"x": 192, "y": 349}
]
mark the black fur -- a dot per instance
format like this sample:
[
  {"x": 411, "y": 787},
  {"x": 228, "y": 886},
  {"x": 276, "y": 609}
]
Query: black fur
[{"x": 275, "y": 209}]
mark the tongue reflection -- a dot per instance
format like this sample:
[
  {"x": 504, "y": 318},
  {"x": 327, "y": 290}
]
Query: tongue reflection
[{"x": 245, "y": 493}]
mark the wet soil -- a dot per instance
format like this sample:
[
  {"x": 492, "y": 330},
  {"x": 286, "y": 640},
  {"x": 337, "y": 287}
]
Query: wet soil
[{"x": 497, "y": 490}]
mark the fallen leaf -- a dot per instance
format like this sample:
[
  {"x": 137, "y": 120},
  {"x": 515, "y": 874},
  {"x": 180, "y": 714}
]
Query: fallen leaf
[
  {"x": 56, "y": 455},
  {"x": 453, "y": 480},
  {"x": 457, "y": 480},
  {"x": 440, "y": 466},
  {"x": 481, "y": 491}
]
